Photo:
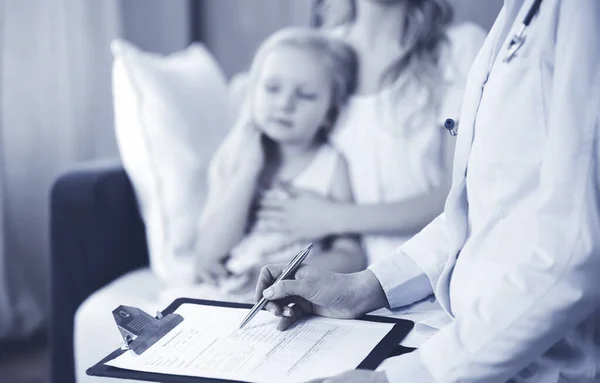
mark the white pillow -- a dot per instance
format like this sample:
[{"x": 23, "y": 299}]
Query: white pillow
[{"x": 171, "y": 113}]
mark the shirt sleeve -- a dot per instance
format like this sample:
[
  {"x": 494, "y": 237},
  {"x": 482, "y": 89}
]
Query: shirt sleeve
[
  {"x": 401, "y": 279},
  {"x": 410, "y": 273},
  {"x": 510, "y": 329}
]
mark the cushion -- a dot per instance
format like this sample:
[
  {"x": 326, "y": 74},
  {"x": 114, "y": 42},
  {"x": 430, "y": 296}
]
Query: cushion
[{"x": 171, "y": 113}]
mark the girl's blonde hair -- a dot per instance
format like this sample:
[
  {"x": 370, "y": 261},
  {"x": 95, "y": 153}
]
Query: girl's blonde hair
[
  {"x": 338, "y": 58},
  {"x": 423, "y": 37}
]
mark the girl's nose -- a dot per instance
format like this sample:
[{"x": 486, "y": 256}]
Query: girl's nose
[{"x": 287, "y": 102}]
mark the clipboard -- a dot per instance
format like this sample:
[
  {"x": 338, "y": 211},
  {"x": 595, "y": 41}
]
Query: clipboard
[{"x": 388, "y": 346}]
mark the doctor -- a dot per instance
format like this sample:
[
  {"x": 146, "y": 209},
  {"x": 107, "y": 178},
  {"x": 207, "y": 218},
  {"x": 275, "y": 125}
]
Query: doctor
[{"x": 515, "y": 258}]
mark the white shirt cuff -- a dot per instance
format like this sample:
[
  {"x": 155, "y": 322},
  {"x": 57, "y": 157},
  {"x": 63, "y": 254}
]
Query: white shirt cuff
[
  {"x": 406, "y": 368},
  {"x": 401, "y": 279}
]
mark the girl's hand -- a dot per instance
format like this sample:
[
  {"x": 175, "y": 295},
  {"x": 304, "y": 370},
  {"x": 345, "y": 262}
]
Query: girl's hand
[
  {"x": 305, "y": 216},
  {"x": 210, "y": 271}
]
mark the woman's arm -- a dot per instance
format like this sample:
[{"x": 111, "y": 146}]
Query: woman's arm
[
  {"x": 344, "y": 255},
  {"x": 394, "y": 218},
  {"x": 310, "y": 216},
  {"x": 397, "y": 218}
]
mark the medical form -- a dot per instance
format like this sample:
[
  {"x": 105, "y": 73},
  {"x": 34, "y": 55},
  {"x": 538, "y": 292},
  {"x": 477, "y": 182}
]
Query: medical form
[{"x": 208, "y": 343}]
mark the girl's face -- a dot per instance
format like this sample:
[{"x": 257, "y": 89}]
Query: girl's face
[{"x": 292, "y": 96}]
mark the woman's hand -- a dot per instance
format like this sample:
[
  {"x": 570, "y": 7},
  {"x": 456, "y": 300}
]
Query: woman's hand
[
  {"x": 355, "y": 376},
  {"x": 305, "y": 216},
  {"x": 320, "y": 292}
]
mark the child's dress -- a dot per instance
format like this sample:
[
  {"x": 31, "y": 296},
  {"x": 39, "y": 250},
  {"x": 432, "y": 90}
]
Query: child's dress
[{"x": 258, "y": 248}]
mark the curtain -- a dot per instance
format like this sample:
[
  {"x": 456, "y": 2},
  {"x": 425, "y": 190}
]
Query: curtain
[{"x": 56, "y": 110}]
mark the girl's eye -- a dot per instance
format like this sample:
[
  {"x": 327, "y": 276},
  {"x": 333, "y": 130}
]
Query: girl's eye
[
  {"x": 306, "y": 95},
  {"x": 271, "y": 88}
]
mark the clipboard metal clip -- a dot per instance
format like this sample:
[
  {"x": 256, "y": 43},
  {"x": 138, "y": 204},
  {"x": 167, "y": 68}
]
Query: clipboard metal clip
[{"x": 141, "y": 330}]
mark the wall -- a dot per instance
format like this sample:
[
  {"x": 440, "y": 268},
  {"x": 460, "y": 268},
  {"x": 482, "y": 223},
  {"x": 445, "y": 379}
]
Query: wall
[{"x": 483, "y": 12}]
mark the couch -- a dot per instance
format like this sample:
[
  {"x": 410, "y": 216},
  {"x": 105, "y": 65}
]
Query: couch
[{"x": 97, "y": 235}]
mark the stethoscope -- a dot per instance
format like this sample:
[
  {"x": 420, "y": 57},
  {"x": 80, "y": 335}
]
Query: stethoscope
[{"x": 515, "y": 43}]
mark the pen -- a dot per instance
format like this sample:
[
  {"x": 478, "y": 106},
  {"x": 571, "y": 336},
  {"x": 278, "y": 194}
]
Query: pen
[{"x": 288, "y": 271}]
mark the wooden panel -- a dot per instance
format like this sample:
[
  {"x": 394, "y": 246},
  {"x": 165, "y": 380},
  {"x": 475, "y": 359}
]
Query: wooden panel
[
  {"x": 161, "y": 26},
  {"x": 233, "y": 29}
]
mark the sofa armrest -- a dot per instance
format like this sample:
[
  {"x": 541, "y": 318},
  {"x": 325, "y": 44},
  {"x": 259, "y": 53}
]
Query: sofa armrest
[{"x": 96, "y": 236}]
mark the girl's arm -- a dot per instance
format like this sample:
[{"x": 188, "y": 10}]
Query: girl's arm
[
  {"x": 344, "y": 255},
  {"x": 225, "y": 216},
  {"x": 233, "y": 179}
]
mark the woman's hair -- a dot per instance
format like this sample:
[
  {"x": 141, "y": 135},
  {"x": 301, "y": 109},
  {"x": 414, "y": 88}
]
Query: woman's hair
[
  {"x": 423, "y": 36},
  {"x": 331, "y": 13},
  {"x": 337, "y": 57}
]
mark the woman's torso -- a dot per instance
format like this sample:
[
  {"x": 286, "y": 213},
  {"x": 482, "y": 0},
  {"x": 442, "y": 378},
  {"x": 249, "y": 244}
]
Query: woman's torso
[{"x": 394, "y": 143}]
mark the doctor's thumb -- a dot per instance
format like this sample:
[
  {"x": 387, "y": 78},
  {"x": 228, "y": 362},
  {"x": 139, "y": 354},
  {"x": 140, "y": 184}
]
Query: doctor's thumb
[{"x": 287, "y": 288}]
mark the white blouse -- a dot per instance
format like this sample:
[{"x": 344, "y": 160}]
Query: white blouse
[{"x": 395, "y": 147}]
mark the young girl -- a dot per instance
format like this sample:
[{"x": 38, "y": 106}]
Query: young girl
[{"x": 298, "y": 81}]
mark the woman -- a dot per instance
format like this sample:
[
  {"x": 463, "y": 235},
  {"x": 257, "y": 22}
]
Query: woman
[{"x": 413, "y": 68}]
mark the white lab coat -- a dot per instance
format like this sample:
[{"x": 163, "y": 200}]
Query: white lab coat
[{"x": 515, "y": 258}]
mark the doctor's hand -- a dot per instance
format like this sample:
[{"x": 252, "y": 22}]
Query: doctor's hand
[
  {"x": 304, "y": 216},
  {"x": 319, "y": 292},
  {"x": 355, "y": 376}
]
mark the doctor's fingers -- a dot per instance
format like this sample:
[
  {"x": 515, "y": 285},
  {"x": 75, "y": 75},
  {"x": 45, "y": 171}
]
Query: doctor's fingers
[
  {"x": 268, "y": 275},
  {"x": 294, "y": 312},
  {"x": 280, "y": 308},
  {"x": 289, "y": 288}
]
